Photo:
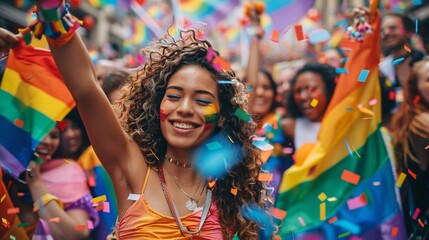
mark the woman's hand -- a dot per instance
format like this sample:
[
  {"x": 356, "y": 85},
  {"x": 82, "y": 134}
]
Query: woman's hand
[
  {"x": 8, "y": 40},
  {"x": 33, "y": 174}
]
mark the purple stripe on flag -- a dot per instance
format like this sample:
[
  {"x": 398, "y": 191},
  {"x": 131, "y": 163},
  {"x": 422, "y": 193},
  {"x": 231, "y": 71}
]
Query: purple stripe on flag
[{"x": 9, "y": 162}]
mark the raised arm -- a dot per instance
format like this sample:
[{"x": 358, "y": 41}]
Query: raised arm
[
  {"x": 113, "y": 146},
  {"x": 252, "y": 69}
]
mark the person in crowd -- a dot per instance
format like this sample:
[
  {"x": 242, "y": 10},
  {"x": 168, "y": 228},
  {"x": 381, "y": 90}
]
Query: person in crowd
[
  {"x": 334, "y": 57},
  {"x": 74, "y": 137},
  {"x": 56, "y": 202},
  {"x": 396, "y": 32},
  {"x": 311, "y": 90},
  {"x": 411, "y": 141},
  {"x": 172, "y": 106},
  {"x": 263, "y": 106},
  {"x": 112, "y": 84}
]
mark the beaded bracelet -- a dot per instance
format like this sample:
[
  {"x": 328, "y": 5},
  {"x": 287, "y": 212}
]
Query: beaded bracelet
[
  {"x": 57, "y": 24},
  {"x": 44, "y": 200}
]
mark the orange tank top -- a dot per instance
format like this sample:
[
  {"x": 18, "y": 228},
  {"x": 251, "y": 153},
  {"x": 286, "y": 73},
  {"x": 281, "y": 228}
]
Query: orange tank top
[{"x": 142, "y": 222}]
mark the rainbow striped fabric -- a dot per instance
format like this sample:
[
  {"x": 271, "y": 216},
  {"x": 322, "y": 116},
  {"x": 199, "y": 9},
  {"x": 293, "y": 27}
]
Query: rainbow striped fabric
[
  {"x": 32, "y": 98},
  {"x": 208, "y": 11},
  {"x": 287, "y": 12},
  {"x": 345, "y": 187}
]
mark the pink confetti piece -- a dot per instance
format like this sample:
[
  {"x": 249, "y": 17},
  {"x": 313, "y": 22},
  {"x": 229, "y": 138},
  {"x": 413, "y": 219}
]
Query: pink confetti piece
[
  {"x": 90, "y": 224},
  {"x": 357, "y": 202},
  {"x": 106, "y": 207},
  {"x": 416, "y": 213},
  {"x": 372, "y": 102},
  {"x": 301, "y": 221},
  {"x": 210, "y": 54}
]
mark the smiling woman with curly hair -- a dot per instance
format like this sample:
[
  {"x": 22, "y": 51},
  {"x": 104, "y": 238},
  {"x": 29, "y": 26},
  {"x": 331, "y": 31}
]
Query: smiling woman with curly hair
[{"x": 180, "y": 156}]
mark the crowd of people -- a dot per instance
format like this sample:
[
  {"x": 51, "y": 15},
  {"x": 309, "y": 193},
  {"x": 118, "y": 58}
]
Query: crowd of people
[{"x": 153, "y": 131}]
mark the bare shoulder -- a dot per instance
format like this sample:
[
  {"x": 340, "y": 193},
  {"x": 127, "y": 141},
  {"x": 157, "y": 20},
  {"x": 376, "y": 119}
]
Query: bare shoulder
[{"x": 288, "y": 126}]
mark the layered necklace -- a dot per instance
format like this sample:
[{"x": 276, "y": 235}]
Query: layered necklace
[
  {"x": 192, "y": 203},
  {"x": 177, "y": 162}
]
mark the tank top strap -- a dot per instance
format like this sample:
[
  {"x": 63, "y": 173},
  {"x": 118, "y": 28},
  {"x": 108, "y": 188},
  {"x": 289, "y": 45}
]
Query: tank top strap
[{"x": 145, "y": 180}]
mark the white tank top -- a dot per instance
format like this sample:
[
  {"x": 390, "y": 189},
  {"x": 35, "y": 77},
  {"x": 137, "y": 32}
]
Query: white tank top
[{"x": 306, "y": 131}]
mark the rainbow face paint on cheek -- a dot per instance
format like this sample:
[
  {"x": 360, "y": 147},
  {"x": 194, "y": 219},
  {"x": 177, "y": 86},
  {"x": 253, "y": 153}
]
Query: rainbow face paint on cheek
[
  {"x": 211, "y": 113},
  {"x": 162, "y": 115}
]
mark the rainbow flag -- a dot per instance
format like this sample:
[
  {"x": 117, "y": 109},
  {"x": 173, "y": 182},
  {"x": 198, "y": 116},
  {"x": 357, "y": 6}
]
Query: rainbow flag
[
  {"x": 100, "y": 184},
  {"x": 32, "y": 98},
  {"x": 286, "y": 12},
  {"x": 209, "y": 11},
  {"x": 345, "y": 187}
]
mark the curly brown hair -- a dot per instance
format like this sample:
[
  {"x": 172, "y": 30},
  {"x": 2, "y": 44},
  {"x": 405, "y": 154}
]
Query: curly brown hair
[
  {"x": 404, "y": 123},
  {"x": 140, "y": 115}
]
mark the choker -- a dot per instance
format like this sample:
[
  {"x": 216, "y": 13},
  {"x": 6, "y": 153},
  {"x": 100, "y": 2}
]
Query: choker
[{"x": 177, "y": 163}]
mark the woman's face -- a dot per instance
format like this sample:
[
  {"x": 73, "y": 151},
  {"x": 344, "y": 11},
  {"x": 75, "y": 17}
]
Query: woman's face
[
  {"x": 309, "y": 86},
  {"x": 189, "y": 109},
  {"x": 423, "y": 83},
  {"x": 72, "y": 138},
  {"x": 261, "y": 96},
  {"x": 49, "y": 144}
]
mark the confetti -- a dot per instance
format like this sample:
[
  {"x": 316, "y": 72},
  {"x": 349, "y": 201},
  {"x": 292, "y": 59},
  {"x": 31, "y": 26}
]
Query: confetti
[
  {"x": 377, "y": 183},
  {"x": 341, "y": 71},
  {"x": 363, "y": 75},
  {"x": 243, "y": 115},
  {"x": 12, "y": 237},
  {"x": 356, "y": 152},
  {"x": 314, "y": 102},
  {"x": 106, "y": 207},
  {"x": 2, "y": 198},
  {"x": 416, "y": 213},
  {"x": 342, "y": 22},
  {"x": 357, "y": 202},
  {"x": 210, "y": 54},
  {"x": 344, "y": 235},
  {"x": 322, "y": 196},
  {"x": 80, "y": 227},
  {"x": 299, "y": 33},
  {"x": 91, "y": 182},
  {"x": 225, "y": 65},
  {"x": 278, "y": 213},
  {"x": 394, "y": 232},
  {"x": 323, "y": 211},
  {"x": 224, "y": 82},
  {"x": 350, "y": 177},
  {"x": 12, "y": 210},
  {"x": 366, "y": 111},
  {"x": 140, "y": 58},
  {"x": 407, "y": 48},
  {"x": 213, "y": 146},
  {"x": 416, "y": 100},
  {"x": 275, "y": 36},
  {"x": 301, "y": 221},
  {"x": 19, "y": 123},
  {"x": 421, "y": 223},
  {"x": 234, "y": 191},
  {"x": 55, "y": 219},
  {"x": 417, "y": 2},
  {"x": 348, "y": 148},
  {"x": 24, "y": 224},
  {"x": 319, "y": 36},
  {"x": 62, "y": 125},
  {"x": 372, "y": 102},
  {"x": 287, "y": 150},
  {"x": 98, "y": 199},
  {"x": 396, "y": 61},
  {"x": 133, "y": 197},
  {"x": 89, "y": 224},
  {"x": 401, "y": 179},
  {"x": 412, "y": 174},
  {"x": 332, "y": 199},
  {"x": 286, "y": 30},
  {"x": 417, "y": 25},
  {"x": 265, "y": 177},
  {"x": 332, "y": 220},
  {"x": 343, "y": 60},
  {"x": 427, "y": 147}
]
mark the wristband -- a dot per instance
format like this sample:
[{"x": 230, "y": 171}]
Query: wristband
[{"x": 44, "y": 200}]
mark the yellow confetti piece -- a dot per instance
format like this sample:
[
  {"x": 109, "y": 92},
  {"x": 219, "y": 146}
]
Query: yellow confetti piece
[
  {"x": 401, "y": 179},
  {"x": 4, "y": 220},
  {"x": 2, "y": 198},
  {"x": 314, "y": 102},
  {"x": 323, "y": 211},
  {"x": 356, "y": 152},
  {"x": 322, "y": 196},
  {"x": 332, "y": 199},
  {"x": 68, "y": 161},
  {"x": 366, "y": 111},
  {"x": 234, "y": 191},
  {"x": 98, "y": 199}
]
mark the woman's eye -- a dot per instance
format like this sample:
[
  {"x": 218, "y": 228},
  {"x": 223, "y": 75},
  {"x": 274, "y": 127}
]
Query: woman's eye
[
  {"x": 173, "y": 96},
  {"x": 204, "y": 101}
]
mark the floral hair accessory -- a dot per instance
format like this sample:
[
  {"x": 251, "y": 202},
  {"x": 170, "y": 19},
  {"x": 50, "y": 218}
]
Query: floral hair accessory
[{"x": 359, "y": 28}]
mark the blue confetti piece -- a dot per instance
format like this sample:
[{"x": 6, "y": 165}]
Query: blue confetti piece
[
  {"x": 343, "y": 60},
  {"x": 319, "y": 36},
  {"x": 249, "y": 88},
  {"x": 213, "y": 146},
  {"x": 417, "y": 2},
  {"x": 348, "y": 148},
  {"x": 396, "y": 61},
  {"x": 342, "y": 22},
  {"x": 348, "y": 226},
  {"x": 341, "y": 70},
  {"x": 417, "y": 25},
  {"x": 363, "y": 75},
  {"x": 224, "y": 82},
  {"x": 268, "y": 127}
]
